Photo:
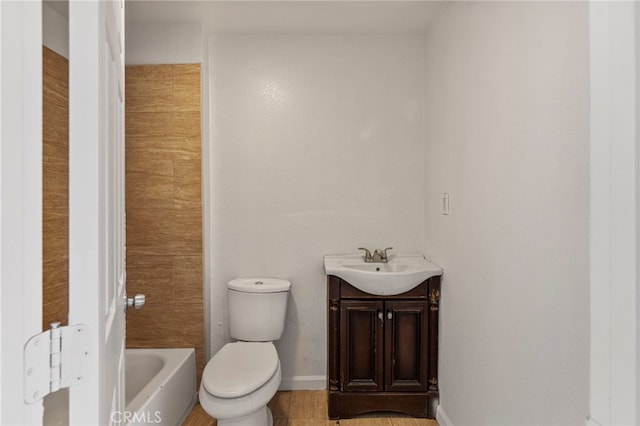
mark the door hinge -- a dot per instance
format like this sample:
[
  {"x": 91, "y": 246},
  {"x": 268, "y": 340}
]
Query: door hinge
[{"x": 55, "y": 359}]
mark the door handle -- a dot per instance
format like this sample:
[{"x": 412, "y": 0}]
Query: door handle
[{"x": 136, "y": 301}]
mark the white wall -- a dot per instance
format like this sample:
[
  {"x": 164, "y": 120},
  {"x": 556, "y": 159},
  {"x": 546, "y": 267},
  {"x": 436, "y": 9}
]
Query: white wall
[
  {"x": 55, "y": 30},
  {"x": 317, "y": 145},
  {"x": 163, "y": 44},
  {"x": 507, "y": 136}
]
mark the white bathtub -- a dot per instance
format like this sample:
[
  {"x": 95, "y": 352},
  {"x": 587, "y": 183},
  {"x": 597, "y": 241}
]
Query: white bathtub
[
  {"x": 160, "y": 385},
  {"x": 160, "y": 389}
]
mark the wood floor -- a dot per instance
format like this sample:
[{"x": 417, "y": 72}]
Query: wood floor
[{"x": 309, "y": 408}]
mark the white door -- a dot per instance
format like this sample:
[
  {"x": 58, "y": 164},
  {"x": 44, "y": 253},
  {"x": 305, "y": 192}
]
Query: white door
[{"x": 96, "y": 204}]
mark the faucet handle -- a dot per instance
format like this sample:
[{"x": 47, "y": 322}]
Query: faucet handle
[
  {"x": 384, "y": 254},
  {"x": 367, "y": 254}
]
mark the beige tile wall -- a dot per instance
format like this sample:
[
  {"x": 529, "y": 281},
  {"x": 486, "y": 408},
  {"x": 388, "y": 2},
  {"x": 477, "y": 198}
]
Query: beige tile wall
[
  {"x": 164, "y": 206},
  {"x": 55, "y": 187}
]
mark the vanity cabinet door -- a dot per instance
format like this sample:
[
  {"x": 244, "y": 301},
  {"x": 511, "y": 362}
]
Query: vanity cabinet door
[
  {"x": 361, "y": 340},
  {"x": 406, "y": 345}
]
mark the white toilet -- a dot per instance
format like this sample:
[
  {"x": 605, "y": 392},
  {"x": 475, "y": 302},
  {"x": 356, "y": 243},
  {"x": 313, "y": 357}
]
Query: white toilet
[{"x": 239, "y": 381}]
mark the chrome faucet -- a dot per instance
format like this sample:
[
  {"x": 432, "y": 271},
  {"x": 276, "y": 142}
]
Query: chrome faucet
[
  {"x": 367, "y": 255},
  {"x": 379, "y": 256}
]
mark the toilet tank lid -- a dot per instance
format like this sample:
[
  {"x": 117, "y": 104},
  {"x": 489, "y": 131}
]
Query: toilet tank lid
[{"x": 260, "y": 285}]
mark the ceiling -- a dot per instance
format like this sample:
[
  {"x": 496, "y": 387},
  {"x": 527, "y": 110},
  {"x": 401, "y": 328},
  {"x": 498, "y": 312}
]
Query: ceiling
[{"x": 297, "y": 17}]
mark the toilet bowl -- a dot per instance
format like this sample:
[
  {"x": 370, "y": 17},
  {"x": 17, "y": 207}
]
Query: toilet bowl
[{"x": 239, "y": 381}]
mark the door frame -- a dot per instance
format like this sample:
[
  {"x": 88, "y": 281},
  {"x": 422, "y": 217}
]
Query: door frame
[
  {"x": 614, "y": 28},
  {"x": 20, "y": 201}
]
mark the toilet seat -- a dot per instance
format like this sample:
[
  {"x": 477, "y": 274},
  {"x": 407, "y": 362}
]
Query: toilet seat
[{"x": 240, "y": 368}]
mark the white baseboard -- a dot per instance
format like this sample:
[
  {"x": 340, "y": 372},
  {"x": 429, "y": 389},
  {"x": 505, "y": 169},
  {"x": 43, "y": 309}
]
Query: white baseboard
[
  {"x": 442, "y": 418},
  {"x": 592, "y": 422},
  {"x": 303, "y": 383}
]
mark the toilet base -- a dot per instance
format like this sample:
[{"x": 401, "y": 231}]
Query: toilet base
[{"x": 261, "y": 417}]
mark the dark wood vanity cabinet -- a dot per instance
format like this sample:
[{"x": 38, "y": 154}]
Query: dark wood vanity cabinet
[{"x": 382, "y": 350}]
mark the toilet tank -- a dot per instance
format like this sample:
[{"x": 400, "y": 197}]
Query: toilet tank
[{"x": 257, "y": 308}]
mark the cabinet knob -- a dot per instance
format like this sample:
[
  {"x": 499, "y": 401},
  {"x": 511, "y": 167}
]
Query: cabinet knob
[
  {"x": 389, "y": 315},
  {"x": 380, "y": 316}
]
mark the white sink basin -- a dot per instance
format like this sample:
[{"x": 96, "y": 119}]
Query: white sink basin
[{"x": 399, "y": 275}]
